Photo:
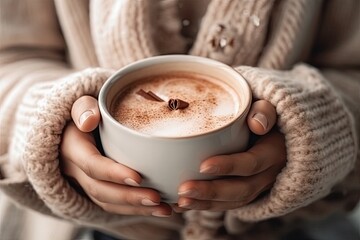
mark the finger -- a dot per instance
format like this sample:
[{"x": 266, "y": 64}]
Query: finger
[
  {"x": 193, "y": 204},
  {"x": 162, "y": 210},
  {"x": 262, "y": 117},
  {"x": 178, "y": 209},
  {"x": 119, "y": 194},
  {"x": 232, "y": 189},
  {"x": 85, "y": 113},
  {"x": 107, "y": 192},
  {"x": 238, "y": 191},
  {"x": 135, "y": 201},
  {"x": 268, "y": 151},
  {"x": 87, "y": 157}
]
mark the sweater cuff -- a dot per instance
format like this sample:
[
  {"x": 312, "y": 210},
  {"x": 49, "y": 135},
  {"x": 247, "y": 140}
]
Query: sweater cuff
[
  {"x": 40, "y": 150},
  {"x": 319, "y": 136}
]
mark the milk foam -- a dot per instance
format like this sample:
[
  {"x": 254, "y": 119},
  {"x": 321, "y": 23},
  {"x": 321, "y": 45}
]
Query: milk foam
[{"x": 212, "y": 104}]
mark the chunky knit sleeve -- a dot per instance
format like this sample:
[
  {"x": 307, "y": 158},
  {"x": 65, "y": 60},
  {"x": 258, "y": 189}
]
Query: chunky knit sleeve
[
  {"x": 26, "y": 59},
  {"x": 47, "y": 108},
  {"x": 320, "y": 136},
  {"x": 30, "y": 173}
]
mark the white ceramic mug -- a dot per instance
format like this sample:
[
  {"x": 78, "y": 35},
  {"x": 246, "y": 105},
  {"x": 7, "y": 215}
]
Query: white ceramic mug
[{"x": 166, "y": 162}]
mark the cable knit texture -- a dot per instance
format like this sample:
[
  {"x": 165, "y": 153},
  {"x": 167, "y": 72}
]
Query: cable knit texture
[{"x": 42, "y": 77}]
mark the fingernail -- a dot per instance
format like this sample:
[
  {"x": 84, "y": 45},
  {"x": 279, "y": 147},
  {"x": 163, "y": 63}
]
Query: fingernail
[
  {"x": 85, "y": 116},
  {"x": 209, "y": 169},
  {"x": 188, "y": 204},
  {"x": 188, "y": 193},
  {"x": 184, "y": 205},
  {"x": 261, "y": 118},
  {"x": 131, "y": 182},
  {"x": 148, "y": 202},
  {"x": 160, "y": 214}
]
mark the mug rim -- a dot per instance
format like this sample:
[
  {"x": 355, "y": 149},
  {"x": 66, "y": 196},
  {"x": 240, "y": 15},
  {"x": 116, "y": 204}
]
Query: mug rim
[{"x": 155, "y": 60}]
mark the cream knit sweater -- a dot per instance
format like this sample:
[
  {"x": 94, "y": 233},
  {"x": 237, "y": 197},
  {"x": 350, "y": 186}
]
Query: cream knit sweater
[{"x": 53, "y": 52}]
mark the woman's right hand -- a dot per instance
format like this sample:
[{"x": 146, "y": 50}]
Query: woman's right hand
[{"x": 111, "y": 185}]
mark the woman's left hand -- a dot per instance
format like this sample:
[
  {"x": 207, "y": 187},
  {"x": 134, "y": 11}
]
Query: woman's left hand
[{"x": 241, "y": 177}]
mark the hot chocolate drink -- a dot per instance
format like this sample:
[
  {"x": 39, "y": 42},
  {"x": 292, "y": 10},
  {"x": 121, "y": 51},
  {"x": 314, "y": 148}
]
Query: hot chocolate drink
[
  {"x": 175, "y": 111},
  {"x": 176, "y": 104}
]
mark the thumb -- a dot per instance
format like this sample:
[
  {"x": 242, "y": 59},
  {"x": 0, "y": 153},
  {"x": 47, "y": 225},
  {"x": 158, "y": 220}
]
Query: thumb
[
  {"x": 85, "y": 113},
  {"x": 262, "y": 117}
]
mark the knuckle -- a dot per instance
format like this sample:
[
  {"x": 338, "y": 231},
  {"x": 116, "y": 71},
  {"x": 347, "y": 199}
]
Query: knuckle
[
  {"x": 142, "y": 212},
  {"x": 129, "y": 199},
  {"x": 211, "y": 191},
  {"x": 228, "y": 165},
  {"x": 253, "y": 163},
  {"x": 229, "y": 168},
  {"x": 211, "y": 195},
  {"x": 207, "y": 190},
  {"x": 111, "y": 174},
  {"x": 93, "y": 191},
  {"x": 254, "y": 166},
  {"x": 86, "y": 165}
]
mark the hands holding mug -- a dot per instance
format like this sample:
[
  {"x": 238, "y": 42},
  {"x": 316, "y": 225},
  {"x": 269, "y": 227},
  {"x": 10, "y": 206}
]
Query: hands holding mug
[
  {"x": 112, "y": 186},
  {"x": 161, "y": 158},
  {"x": 241, "y": 176},
  {"x": 116, "y": 188}
]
